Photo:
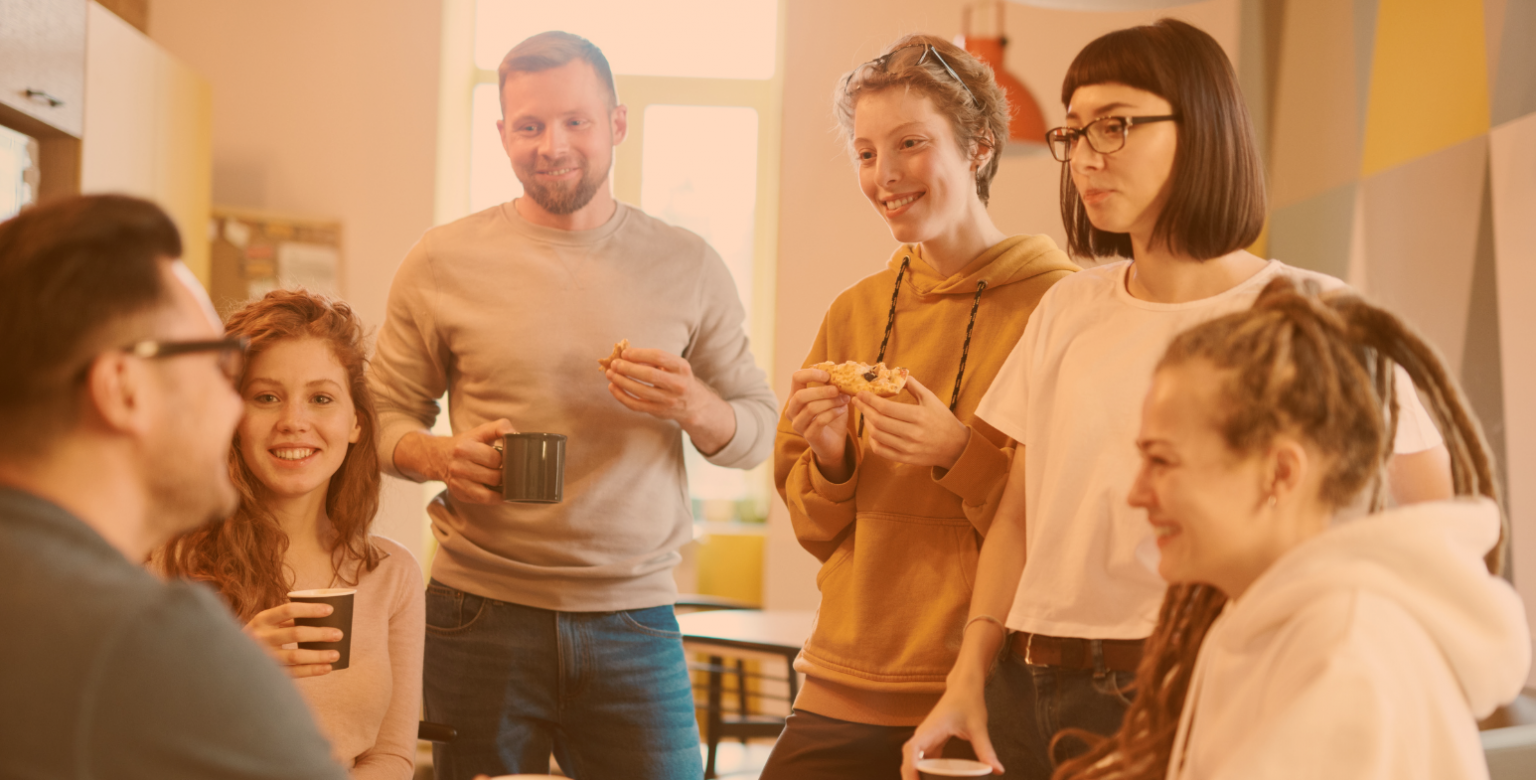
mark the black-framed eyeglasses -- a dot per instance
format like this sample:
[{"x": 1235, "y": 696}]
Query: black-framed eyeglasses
[
  {"x": 883, "y": 62},
  {"x": 231, "y": 357},
  {"x": 1106, "y": 134}
]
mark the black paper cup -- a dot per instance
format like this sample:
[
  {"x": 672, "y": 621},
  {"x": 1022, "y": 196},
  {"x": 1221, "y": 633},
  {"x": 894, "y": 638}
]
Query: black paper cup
[
  {"x": 944, "y": 768},
  {"x": 533, "y": 467},
  {"x": 340, "y": 600}
]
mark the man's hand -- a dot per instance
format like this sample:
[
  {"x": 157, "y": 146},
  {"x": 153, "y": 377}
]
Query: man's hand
[
  {"x": 921, "y": 434},
  {"x": 820, "y": 415},
  {"x": 662, "y": 385},
  {"x": 467, "y": 463}
]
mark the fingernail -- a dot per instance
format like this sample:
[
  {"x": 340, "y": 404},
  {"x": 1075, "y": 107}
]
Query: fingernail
[
  {"x": 335, "y": 656},
  {"x": 328, "y": 608},
  {"x": 335, "y": 635}
]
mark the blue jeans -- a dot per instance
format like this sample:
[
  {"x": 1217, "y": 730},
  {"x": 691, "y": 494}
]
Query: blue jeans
[
  {"x": 607, "y": 692},
  {"x": 1027, "y": 705}
]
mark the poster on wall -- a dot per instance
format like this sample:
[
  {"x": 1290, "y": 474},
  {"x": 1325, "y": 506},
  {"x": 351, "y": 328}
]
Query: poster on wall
[{"x": 254, "y": 253}]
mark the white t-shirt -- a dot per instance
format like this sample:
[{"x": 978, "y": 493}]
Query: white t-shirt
[{"x": 1071, "y": 394}]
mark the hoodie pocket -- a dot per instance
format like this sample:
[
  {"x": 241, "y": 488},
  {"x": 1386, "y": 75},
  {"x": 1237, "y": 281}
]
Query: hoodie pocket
[
  {"x": 893, "y": 604},
  {"x": 838, "y": 557}
]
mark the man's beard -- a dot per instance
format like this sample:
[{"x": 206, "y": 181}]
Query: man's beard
[{"x": 563, "y": 198}]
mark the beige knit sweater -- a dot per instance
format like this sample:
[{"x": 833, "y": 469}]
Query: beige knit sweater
[{"x": 510, "y": 318}]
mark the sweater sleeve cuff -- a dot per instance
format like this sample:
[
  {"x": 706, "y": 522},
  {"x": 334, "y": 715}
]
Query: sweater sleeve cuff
[
  {"x": 393, "y": 428},
  {"x": 976, "y": 473},
  {"x": 737, "y": 453},
  {"x": 836, "y": 492}
]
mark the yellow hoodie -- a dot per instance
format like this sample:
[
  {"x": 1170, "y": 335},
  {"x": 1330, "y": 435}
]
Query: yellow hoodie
[{"x": 899, "y": 543}]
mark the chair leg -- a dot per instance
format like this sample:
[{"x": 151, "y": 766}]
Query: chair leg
[
  {"x": 794, "y": 681},
  {"x": 716, "y": 682},
  {"x": 741, "y": 689}
]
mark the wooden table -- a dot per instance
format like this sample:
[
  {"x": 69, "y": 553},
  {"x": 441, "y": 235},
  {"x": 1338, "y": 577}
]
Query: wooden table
[{"x": 770, "y": 635}]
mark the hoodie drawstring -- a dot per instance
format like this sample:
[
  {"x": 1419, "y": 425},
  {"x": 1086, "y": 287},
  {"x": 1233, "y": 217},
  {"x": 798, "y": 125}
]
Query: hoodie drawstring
[
  {"x": 890, "y": 322},
  {"x": 965, "y": 350}
]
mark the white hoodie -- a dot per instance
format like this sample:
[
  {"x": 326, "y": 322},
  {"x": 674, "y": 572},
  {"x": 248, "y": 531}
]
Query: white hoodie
[{"x": 1367, "y": 652}]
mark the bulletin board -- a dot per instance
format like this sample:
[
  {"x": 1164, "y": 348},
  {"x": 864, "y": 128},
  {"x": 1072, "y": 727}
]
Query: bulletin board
[{"x": 254, "y": 252}]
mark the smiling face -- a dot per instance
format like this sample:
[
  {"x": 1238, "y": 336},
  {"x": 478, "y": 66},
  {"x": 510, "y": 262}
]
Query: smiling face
[
  {"x": 910, "y": 166},
  {"x": 1207, "y": 504},
  {"x": 299, "y": 417},
  {"x": 1123, "y": 191},
  {"x": 559, "y": 130}
]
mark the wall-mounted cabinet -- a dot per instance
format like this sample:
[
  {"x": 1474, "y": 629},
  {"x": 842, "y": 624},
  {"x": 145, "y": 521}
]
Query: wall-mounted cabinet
[
  {"x": 148, "y": 129},
  {"x": 42, "y": 65}
]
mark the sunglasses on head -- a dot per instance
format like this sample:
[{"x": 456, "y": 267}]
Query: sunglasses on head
[{"x": 882, "y": 64}]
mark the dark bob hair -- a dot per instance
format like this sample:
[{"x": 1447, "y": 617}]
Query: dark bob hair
[{"x": 1216, "y": 200}]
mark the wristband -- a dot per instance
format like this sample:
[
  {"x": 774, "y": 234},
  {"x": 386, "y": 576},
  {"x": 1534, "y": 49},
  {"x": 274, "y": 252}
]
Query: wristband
[{"x": 988, "y": 618}]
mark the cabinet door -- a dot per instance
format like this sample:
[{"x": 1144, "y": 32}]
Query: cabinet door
[
  {"x": 148, "y": 129},
  {"x": 42, "y": 60}
]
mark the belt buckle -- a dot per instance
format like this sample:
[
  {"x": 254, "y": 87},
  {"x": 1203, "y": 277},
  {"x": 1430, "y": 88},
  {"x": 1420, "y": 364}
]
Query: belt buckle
[{"x": 1029, "y": 650}]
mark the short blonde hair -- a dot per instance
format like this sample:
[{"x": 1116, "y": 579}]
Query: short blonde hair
[{"x": 976, "y": 106}]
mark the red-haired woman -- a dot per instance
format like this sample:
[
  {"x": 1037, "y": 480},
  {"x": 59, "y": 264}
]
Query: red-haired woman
[{"x": 303, "y": 460}]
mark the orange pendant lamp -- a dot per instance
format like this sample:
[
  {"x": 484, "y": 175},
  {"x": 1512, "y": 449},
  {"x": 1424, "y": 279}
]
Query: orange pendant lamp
[{"x": 982, "y": 36}]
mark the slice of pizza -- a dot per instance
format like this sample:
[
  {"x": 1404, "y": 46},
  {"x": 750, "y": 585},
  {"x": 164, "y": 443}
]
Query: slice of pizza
[
  {"x": 854, "y": 377},
  {"x": 618, "y": 352}
]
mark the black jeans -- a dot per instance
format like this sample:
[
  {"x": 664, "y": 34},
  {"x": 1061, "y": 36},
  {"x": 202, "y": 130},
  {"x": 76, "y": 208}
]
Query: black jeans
[
  {"x": 815, "y": 747},
  {"x": 1027, "y": 705}
]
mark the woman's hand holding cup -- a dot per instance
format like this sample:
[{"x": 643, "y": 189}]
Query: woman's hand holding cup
[
  {"x": 274, "y": 628},
  {"x": 820, "y": 415}
]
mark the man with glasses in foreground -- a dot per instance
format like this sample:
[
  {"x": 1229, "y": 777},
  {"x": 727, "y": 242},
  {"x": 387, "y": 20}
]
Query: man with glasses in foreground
[{"x": 116, "y": 416}]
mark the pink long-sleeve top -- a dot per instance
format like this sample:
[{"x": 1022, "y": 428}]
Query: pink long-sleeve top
[{"x": 369, "y": 711}]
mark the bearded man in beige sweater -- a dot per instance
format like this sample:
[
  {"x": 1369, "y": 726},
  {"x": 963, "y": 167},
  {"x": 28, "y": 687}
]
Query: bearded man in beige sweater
[{"x": 550, "y": 626}]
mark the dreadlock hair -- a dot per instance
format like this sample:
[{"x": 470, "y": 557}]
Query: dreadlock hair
[
  {"x": 1320, "y": 367},
  {"x": 242, "y": 556}
]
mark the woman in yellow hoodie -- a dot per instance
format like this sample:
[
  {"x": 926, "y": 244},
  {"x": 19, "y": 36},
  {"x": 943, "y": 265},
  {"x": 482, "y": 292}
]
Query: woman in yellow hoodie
[{"x": 893, "y": 496}]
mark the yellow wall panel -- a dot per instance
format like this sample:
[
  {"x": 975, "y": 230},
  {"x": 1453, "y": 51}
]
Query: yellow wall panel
[{"x": 1429, "y": 80}]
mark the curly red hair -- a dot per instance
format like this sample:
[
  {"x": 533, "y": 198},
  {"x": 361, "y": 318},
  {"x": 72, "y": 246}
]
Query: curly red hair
[{"x": 242, "y": 557}]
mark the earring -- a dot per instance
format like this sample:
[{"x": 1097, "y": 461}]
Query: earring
[{"x": 1272, "y": 501}]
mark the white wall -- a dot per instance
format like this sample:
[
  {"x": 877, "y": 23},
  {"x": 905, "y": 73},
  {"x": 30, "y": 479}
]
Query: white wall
[
  {"x": 325, "y": 109},
  {"x": 829, "y": 235}
]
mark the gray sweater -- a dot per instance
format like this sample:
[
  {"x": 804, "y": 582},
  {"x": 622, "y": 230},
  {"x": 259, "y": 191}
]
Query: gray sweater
[
  {"x": 108, "y": 673},
  {"x": 510, "y": 318}
]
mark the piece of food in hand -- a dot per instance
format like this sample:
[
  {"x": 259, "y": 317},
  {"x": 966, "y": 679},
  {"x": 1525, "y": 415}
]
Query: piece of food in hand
[
  {"x": 854, "y": 377},
  {"x": 618, "y": 352}
]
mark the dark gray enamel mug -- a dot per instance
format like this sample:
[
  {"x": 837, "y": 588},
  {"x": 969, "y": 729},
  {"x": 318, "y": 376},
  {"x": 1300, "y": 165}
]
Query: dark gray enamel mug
[{"x": 533, "y": 467}]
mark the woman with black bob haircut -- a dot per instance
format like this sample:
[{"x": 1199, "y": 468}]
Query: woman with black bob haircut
[{"x": 1160, "y": 166}]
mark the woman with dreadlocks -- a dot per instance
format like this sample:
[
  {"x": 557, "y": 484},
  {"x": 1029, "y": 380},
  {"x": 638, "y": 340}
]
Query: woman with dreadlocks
[
  {"x": 893, "y": 495},
  {"x": 1159, "y": 165},
  {"x": 1293, "y": 644}
]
